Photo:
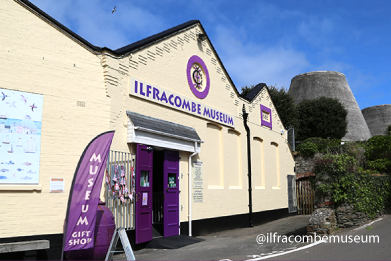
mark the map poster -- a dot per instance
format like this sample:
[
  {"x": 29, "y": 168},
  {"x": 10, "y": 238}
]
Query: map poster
[{"x": 20, "y": 136}]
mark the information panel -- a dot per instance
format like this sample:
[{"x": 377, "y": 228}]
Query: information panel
[{"x": 198, "y": 183}]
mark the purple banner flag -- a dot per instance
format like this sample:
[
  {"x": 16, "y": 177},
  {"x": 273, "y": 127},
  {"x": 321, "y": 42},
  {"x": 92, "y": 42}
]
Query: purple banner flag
[{"x": 84, "y": 194}]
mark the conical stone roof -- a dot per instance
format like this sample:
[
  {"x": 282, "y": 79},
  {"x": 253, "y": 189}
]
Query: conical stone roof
[
  {"x": 330, "y": 84},
  {"x": 378, "y": 118}
]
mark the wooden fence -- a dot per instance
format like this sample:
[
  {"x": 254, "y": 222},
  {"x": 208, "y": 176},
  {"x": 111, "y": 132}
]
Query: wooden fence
[{"x": 305, "y": 197}]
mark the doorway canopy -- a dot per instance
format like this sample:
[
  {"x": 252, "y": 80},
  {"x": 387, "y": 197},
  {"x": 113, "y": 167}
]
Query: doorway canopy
[{"x": 144, "y": 129}]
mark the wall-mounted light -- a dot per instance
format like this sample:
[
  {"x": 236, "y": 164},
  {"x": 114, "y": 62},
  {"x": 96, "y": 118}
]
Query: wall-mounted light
[{"x": 201, "y": 37}]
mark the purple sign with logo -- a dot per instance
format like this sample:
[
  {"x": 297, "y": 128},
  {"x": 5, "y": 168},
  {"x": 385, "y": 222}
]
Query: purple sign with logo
[
  {"x": 173, "y": 100},
  {"x": 266, "y": 116},
  {"x": 84, "y": 194},
  {"x": 198, "y": 77}
]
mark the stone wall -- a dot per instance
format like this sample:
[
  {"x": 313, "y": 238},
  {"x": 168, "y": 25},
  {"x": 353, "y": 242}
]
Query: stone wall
[
  {"x": 322, "y": 219},
  {"x": 322, "y": 222},
  {"x": 348, "y": 217},
  {"x": 304, "y": 164}
]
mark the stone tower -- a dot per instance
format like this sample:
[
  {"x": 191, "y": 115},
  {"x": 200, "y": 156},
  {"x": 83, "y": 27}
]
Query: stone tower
[
  {"x": 378, "y": 118},
  {"x": 313, "y": 85}
]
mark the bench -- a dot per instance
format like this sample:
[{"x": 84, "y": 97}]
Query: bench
[{"x": 24, "y": 246}]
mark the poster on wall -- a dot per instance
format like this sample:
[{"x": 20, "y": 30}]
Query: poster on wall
[
  {"x": 198, "y": 182},
  {"x": 20, "y": 136}
]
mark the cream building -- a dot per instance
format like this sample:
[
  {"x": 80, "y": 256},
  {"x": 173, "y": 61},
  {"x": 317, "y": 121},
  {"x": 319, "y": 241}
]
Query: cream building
[{"x": 169, "y": 99}]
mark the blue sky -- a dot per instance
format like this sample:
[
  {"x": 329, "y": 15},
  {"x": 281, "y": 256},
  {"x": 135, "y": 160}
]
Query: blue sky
[{"x": 258, "y": 41}]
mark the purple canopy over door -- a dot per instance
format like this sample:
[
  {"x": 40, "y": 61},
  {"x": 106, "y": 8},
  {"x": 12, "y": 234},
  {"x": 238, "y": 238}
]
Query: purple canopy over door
[
  {"x": 171, "y": 193},
  {"x": 144, "y": 173}
]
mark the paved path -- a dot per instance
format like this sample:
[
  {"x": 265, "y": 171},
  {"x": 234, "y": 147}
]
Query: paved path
[
  {"x": 237, "y": 244},
  {"x": 241, "y": 244},
  {"x": 378, "y": 233}
]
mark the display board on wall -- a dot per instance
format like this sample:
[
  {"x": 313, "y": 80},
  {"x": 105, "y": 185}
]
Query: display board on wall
[
  {"x": 198, "y": 183},
  {"x": 20, "y": 136}
]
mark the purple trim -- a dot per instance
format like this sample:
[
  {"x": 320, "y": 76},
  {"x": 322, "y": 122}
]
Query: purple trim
[
  {"x": 263, "y": 122},
  {"x": 192, "y": 60}
]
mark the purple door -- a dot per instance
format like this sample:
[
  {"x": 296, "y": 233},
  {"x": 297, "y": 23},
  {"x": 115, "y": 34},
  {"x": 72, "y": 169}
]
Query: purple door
[
  {"x": 144, "y": 164},
  {"x": 171, "y": 193}
]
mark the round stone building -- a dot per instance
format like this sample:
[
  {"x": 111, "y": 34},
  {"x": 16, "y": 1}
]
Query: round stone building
[
  {"x": 330, "y": 84},
  {"x": 378, "y": 118}
]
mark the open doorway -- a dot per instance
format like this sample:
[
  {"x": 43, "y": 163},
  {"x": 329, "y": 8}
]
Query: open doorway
[
  {"x": 165, "y": 193},
  {"x": 157, "y": 193}
]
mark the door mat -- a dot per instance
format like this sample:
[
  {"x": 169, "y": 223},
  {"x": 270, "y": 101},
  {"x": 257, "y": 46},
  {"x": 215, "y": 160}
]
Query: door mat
[{"x": 173, "y": 242}]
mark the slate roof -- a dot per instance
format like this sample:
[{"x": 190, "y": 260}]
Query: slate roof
[
  {"x": 139, "y": 44},
  {"x": 157, "y": 125},
  {"x": 254, "y": 91},
  {"x": 131, "y": 47}
]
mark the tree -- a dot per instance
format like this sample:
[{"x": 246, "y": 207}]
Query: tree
[
  {"x": 285, "y": 106},
  {"x": 322, "y": 117}
]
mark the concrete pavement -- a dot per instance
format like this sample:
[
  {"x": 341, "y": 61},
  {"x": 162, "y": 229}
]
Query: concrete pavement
[
  {"x": 371, "y": 242},
  {"x": 236, "y": 244}
]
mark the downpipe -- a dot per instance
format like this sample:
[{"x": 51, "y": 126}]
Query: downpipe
[
  {"x": 190, "y": 191},
  {"x": 250, "y": 204}
]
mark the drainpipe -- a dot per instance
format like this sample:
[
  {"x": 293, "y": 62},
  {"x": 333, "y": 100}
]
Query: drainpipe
[
  {"x": 250, "y": 204},
  {"x": 195, "y": 153}
]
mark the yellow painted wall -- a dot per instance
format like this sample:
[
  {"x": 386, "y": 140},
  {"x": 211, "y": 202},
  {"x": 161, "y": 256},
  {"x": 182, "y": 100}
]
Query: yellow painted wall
[
  {"x": 163, "y": 64},
  {"x": 35, "y": 57}
]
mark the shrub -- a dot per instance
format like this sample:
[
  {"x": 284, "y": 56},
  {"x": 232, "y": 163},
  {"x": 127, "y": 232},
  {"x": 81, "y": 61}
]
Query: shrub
[
  {"x": 335, "y": 178},
  {"x": 308, "y": 149},
  {"x": 388, "y": 130},
  {"x": 378, "y": 153},
  {"x": 324, "y": 145},
  {"x": 379, "y": 165}
]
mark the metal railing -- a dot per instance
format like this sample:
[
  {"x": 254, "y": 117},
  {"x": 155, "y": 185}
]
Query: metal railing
[{"x": 123, "y": 210}]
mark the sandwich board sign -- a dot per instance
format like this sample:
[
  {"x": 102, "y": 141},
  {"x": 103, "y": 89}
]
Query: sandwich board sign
[{"x": 120, "y": 234}]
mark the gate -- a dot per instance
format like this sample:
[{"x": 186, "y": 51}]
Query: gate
[
  {"x": 119, "y": 187},
  {"x": 305, "y": 194}
]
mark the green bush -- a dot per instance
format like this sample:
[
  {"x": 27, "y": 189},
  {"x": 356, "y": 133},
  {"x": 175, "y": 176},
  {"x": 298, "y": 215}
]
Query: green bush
[
  {"x": 379, "y": 165},
  {"x": 378, "y": 153},
  {"x": 307, "y": 149},
  {"x": 337, "y": 177},
  {"x": 324, "y": 145},
  {"x": 388, "y": 130}
]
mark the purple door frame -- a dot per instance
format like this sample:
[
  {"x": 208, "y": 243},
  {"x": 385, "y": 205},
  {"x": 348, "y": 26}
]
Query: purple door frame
[
  {"x": 171, "y": 193},
  {"x": 144, "y": 166}
]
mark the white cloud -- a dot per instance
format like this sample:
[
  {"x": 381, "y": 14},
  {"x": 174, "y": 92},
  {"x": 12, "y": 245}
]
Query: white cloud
[{"x": 249, "y": 63}]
